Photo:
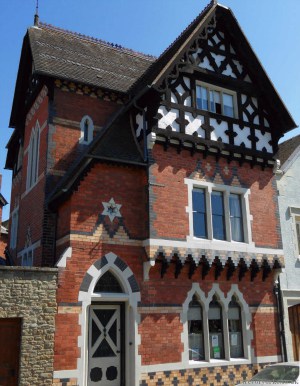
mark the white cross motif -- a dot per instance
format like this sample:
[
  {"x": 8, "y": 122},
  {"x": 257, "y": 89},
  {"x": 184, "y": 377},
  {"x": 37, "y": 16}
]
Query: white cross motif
[{"x": 111, "y": 209}]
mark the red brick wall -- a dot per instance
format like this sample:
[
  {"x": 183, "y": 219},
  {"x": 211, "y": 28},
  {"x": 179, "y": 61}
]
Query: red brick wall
[
  {"x": 170, "y": 197},
  {"x": 31, "y": 206},
  {"x": 128, "y": 187},
  {"x": 73, "y": 106},
  {"x": 160, "y": 338}
]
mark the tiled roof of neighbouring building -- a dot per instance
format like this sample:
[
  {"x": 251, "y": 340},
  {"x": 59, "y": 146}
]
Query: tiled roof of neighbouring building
[{"x": 286, "y": 148}]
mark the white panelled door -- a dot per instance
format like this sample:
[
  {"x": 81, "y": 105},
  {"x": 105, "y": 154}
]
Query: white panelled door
[{"x": 104, "y": 350}]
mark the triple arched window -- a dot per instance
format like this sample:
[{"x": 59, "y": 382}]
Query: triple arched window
[{"x": 216, "y": 326}]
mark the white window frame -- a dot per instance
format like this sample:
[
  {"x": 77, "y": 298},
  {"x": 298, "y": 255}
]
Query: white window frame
[
  {"x": 14, "y": 228},
  {"x": 226, "y": 190},
  {"x": 33, "y": 157},
  {"x": 86, "y": 133},
  {"x": 295, "y": 215},
  {"x": 222, "y": 91},
  {"x": 298, "y": 233},
  {"x": 205, "y": 301}
]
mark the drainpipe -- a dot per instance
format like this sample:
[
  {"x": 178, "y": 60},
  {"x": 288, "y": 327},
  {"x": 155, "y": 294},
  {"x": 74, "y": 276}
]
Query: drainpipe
[{"x": 277, "y": 293}]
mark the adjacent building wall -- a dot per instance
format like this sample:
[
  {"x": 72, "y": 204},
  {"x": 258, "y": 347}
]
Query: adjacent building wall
[
  {"x": 288, "y": 183},
  {"x": 30, "y": 294}
]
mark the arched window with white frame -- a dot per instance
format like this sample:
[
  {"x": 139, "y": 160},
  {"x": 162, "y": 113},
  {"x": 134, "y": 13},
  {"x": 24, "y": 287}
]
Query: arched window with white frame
[
  {"x": 33, "y": 156},
  {"x": 86, "y": 130}
]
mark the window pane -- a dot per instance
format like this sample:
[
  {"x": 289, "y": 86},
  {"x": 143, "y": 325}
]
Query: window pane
[
  {"x": 108, "y": 283},
  {"x": 196, "y": 346},
  {"x": 202, "y": 97},
  {"x": 217, "y": 207},
  {"x": 235, "y": 330},
  {"x": 215, "y": 330},
  {"x": 228, "y": 105},
  {"x": 215, "y": 102},
  {"x": 236, "y": 220},
  {"x": 199, "y": 213},
  {"x": 86, "y": 130}
]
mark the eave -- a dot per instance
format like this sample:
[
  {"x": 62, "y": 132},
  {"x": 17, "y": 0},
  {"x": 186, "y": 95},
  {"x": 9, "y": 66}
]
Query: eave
[{"x": 216, "y": 149}]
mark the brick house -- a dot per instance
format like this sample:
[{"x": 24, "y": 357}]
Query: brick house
[{"x": 149, "y": 184}]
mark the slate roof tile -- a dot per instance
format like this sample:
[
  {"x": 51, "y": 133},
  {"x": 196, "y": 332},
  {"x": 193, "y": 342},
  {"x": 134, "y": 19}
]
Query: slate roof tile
[
  {"x": 286, "y": 148},
  {"x": 66, "y": 55}
]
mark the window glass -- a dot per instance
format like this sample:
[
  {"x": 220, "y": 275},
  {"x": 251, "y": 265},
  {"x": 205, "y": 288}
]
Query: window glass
[
  {"x": 236, "y": 220},
  {"x": 228, "y": 105},
  {"x": 33, "y": 157},
  {"x": 199, "y": 213},
  {"x": 214, "y": 99},
  {"x": 195, "y": 326},
  {"x": 217, "y": 207},
  {"x": 202, "y": 97},
  {"x": 25, "y": 261},
  {"x": 215, "y": 102},
  {"x": 108, "y": 283},
  {"x": 235, "y": 329},
  {"x": 86, "y": 130},
  {"x": 215, "y": 325},
  {"x": 14, "y": 229}
]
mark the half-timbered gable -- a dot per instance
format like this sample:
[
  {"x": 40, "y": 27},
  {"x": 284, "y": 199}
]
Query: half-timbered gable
[{"x": 213, "y": 95}]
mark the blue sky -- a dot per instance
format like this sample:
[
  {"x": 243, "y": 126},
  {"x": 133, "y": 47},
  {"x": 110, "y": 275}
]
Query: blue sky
[{"x": 271, "y": 26}]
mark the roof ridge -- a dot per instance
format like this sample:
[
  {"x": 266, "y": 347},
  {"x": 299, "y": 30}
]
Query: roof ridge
[
  {"x": 96, "y": 40},
  {"x": 199, "y": 16}
]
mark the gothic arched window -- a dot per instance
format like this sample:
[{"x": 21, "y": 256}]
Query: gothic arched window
[{"x": 108, "y": 283}]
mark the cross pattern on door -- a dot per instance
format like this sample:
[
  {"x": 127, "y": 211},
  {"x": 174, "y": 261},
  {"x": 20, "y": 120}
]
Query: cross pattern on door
[{"x": 104, "y": 346}]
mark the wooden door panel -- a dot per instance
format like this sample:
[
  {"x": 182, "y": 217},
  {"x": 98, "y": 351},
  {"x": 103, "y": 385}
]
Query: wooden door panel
[{"x": 10, "y": 335}]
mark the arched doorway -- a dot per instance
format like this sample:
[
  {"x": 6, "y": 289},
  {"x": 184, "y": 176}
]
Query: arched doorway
[{"x": 109, "y": 295}]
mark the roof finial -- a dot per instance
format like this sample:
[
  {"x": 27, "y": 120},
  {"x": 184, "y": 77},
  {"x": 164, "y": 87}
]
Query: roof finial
[{"x": 36, "y": 16}]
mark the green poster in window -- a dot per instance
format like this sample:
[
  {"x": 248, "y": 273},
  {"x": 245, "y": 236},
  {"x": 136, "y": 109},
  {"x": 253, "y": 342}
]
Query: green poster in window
[{"x": 217, "y": 352}]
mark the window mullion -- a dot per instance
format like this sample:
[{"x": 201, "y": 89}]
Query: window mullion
[
  {"x": 209, "y": 213},
  {"x": 226, "y": 334},
  {"x": 227, "y": 216},
  {"x": 206, "y": 335}
]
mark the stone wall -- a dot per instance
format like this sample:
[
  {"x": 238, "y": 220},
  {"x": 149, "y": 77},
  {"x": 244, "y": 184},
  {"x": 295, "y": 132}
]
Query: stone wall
[{"x": 30, "y": 294}]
